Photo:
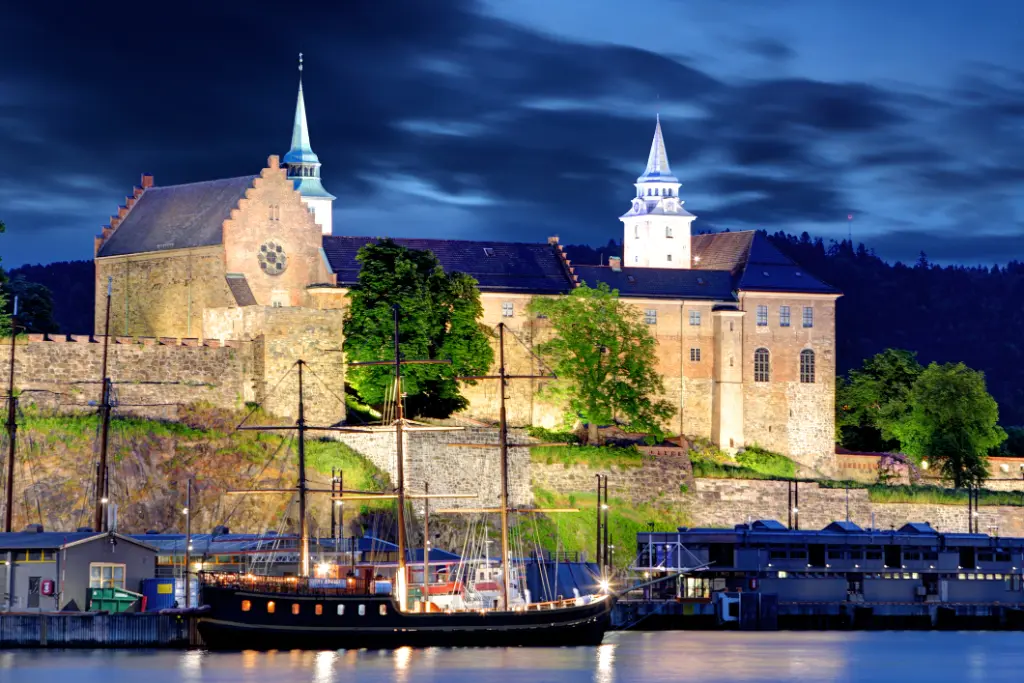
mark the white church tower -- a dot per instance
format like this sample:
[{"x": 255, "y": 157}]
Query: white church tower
[
  {"x": 657, "y": 227},
  {"x": 304, "y": 167}
]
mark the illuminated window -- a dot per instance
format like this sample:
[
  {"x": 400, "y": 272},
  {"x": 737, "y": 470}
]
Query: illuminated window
[
  {"x": 341, "y": 610},
  {"x": 762, "y": 365},
  {"x": 695, "y": 355},
  {"x": 105, "y": 575},
  {"x": 783, "y": 575},
  {"x": 695, "y": 317},
  {"x": 507, "y": 309},
  {"x": 362, "y": 610},
  {"x": 318, "y": 610},
  {"x": 295, "y": 608},
  {"x": 383, "y": 610},
  {"x": 651, "y": 316},
  {"x": 807, "y": 366},
  {"x": 246, "y": 605},
  {"x": 762, "y": 316},
  {"x": 271, "y": 607},
  {"x": 783, "y": 316},
  {"x": 808, "y": 316}
]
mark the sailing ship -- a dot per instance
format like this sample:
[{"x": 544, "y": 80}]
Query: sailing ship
[{"x": 244, "y": 611}]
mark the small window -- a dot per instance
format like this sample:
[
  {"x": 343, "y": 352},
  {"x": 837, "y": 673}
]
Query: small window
[
  {"x": 668, "y": 257},
  {"x": 636, "y": 231},
  {"x": 762, "y": 316},
  {"x": 807, "y": 366},
  {"x": 362, "y": 610},
  {"x": 295, "y": 608},
  {"x": 246, "y": 605},
  {"x": 507, "y": 309},
  {"x": 668, "y": 233},
  {"x": 695, "y": 317},
  {"x": 808, "y": 316},
  {"x": 271, "y": 607},
  {"x": 762, "y": 365},
  {"x": 318, "y": 610},
  {"x": 695, "y": 355},
  {"x": 783, "y": 316},
  {"x": 341, "y": 610},
  {"x": 105, "y": 575},
  {"x": 651, "y": 316},
  {"x": 629, "y": 278},
  {"x": 383, "y": 610},
  {"x": 488, "y": 251}
]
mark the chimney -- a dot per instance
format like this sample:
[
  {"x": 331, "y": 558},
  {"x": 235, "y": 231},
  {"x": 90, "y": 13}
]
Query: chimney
[
  {"x": 615, "y": 263},
  {"x": 147, "y": 180}
]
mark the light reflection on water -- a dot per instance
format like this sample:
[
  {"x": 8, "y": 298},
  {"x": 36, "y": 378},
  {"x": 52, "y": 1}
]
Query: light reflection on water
[{"x": 693, "y": 657}]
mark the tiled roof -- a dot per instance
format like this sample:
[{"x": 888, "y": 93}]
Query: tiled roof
[
  {"x": 721, "y": 251},
  {"x": 530, "y": 268},
  {"x": 177, "y": 217},
  {"x": 240, "y": 290},
  {"x": 664, "y": 283},
  {"x": 755, "y": 263}
]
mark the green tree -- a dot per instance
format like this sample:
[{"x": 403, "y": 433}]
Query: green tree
[
  {"x": 953, "y": 422},
  {"x": 35, "y": 305},
  {"x": 871, "y": 400},
  {"x": 603, "y": 355},
  {"x": 438, "y": 319},
  {"x": 1014, "y": 441}
]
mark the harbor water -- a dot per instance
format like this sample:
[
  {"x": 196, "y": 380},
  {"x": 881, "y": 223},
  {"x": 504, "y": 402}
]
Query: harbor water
[{"x": 696, "y": 657}]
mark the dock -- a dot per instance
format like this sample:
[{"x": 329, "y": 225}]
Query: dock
[{"x": 91, "y": 630}]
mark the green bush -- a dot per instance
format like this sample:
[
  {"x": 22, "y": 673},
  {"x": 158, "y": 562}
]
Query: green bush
[
  {"x": 767, "y": 462},
  {"x": 551, "y": 435}
]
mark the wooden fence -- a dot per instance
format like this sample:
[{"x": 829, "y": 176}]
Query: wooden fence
[{"x": 94, "y": 630}]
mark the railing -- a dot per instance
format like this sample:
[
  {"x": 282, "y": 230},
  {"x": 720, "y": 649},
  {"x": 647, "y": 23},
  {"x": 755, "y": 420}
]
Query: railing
[{"x": 291, "y": 585}]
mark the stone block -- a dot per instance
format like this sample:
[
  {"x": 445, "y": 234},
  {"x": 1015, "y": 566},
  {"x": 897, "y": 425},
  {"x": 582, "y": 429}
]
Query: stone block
[{"x": 168, "y": 341}]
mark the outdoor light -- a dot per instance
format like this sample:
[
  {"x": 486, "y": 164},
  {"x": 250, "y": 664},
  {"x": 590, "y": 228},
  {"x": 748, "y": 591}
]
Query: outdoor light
[
  {"x": 604, "y": 506},
  {"x": 104, "y": 500},
  {"x": 605, "y": 585},
  {"x": 184, "y": 511},
  {"x": 323, "y": 568},
  {"x": 924, "y": 464},
  {"x": 796, "y": 509},
  {"x": 339, "y": 503}
]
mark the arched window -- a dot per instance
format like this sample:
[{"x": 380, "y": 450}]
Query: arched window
[
  {"x": 636, "y": 231},
  {"x": 762, "y": 365},
  {"x": 807, "y": 366}
]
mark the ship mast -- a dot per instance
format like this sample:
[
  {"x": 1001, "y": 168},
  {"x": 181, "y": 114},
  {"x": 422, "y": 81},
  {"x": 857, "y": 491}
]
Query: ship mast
[
  {"x": 100, "y": 493},
  {"x": 12, "y": 428},
  {"x": 300, "y": 423}
]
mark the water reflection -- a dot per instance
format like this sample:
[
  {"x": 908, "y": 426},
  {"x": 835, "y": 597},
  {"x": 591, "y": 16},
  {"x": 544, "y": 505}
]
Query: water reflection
[{"x": 624, "y": 658}]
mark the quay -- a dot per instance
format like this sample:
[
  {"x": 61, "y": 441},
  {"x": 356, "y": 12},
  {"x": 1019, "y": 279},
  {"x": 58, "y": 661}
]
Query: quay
[
  {"x": 96, "y": 630},
  {"x": 766, "y": 576}
]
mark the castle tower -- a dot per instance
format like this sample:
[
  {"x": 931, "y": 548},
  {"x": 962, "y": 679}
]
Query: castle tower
[
  {"x": 657, "y": 227},
  {"x": 304, "y": 167}
]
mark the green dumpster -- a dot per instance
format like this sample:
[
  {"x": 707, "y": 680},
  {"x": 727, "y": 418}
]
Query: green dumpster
[{"x": 111, "y": 599}]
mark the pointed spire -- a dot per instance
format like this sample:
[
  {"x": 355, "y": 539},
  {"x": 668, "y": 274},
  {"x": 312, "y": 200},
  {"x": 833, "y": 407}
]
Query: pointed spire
[
  {"x": 301, "y": 151},
  {"x": 657, "y": 161}
]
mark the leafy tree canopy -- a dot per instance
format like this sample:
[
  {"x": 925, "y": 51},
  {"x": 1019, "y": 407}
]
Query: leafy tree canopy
[
  {"x": 438, "y": 319},
  {"x": 35, "y": 305},
  {"x": 870, "y": 401},
  {"x": 1014, "y": 444},
  {"x": 953, "y": 422},
  {"x": 603, "y": 355}
]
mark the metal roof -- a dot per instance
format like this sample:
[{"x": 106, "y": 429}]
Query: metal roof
[
  {"x": 530, "y": 268},
  {"x": 177, "y": 217},
  {"x": 57, "y": 540}
]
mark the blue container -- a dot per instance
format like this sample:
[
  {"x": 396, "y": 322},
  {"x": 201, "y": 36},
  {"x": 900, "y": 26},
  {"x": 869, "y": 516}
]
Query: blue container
[{"x": 159, "y": 594}]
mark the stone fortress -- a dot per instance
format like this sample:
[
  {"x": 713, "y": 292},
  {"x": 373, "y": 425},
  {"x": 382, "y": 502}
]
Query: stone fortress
[{"x": 218, "y": 286}]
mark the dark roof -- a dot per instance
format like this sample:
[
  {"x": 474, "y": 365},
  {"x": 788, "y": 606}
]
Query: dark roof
[
  {"x": 721, "y": 251},
  {"x": 177, "y": 217},
  {"x": 666, "y": 283},
  {"x": 767, "y": 525},
  {"x": 917, "y": 528},
  {"x": 755, "y": 263},
  {"x": 239, "y": 287},
  {"x": 47, "y": 540},
  {"x": 844, "y": 527},
  {"x": 530, "y": 268}
]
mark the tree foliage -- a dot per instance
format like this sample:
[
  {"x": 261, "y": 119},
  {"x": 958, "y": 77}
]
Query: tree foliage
[
  {"x": 35, "y": 306},
  {"x": 953, "y": 422},
  {"x": 603, "y": 355},
  {"x": 438, "y": 319},
  {"x": 871, "y": 400}
]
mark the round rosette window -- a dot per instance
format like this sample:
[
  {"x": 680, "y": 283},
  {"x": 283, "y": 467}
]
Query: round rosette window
[{"x": 272, "y": 258}]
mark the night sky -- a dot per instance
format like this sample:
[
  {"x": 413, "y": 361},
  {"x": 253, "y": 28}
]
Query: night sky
[{"x": 519, "y": 119}]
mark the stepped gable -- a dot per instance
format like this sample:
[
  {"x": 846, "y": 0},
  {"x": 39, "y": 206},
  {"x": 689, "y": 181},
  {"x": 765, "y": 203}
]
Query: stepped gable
[
  {"x": 173, "y": 217},
  {"x": 528, "y": 268},
  {"x": 660, "y": 283},
  {"x": 755, "y": 264}
]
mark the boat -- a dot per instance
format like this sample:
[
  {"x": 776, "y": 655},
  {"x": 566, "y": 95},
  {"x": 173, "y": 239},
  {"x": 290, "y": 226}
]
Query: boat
[{"x": 246, "y": 611}]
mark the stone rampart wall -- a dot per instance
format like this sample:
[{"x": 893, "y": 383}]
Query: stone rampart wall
[{"x": 150, "y": 376}]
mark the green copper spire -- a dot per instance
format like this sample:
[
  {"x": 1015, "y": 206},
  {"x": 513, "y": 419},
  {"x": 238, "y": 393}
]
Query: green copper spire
[{"x": 301, "y": 152}]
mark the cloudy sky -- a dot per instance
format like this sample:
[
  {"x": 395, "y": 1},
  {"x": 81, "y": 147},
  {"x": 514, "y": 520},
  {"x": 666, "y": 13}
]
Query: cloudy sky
[{"x": 519, "y": 119}]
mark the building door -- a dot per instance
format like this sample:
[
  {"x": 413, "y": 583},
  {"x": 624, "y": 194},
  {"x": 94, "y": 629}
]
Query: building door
[{"x": 33, "y": 591}]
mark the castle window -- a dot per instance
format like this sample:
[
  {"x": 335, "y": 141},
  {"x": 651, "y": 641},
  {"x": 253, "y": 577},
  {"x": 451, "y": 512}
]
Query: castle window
[
  {"x": 695, "y": 317},
  {"x": 636, "y": 231},
  {"x": 651, "y": 316},
  {"x": 762, "y": 316},
  {"x": 668, "y": 231},
  {"x": 488, "y": 251},
  {"x": 695, "y": 355},
  {"x": 507, "y": 309},
  {"x": 762, "y": 365},
  {"x": 669, "y": 257},
  {"x": 808, "y": 316},
  {"x": 783, "y": 316},
  {"x": 807, "y": 366}
]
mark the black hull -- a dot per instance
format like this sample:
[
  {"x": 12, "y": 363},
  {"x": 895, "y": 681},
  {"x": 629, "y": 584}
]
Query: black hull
[{"x": 379, "y": 625}]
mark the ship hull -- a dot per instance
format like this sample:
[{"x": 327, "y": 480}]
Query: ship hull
[{"x": 369, "y": 621}]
